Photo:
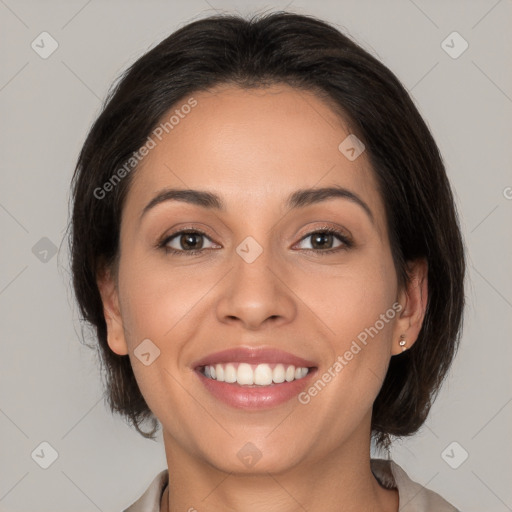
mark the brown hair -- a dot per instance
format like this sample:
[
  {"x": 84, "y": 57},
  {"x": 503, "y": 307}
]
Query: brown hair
[{"x": 310, "y": 54}]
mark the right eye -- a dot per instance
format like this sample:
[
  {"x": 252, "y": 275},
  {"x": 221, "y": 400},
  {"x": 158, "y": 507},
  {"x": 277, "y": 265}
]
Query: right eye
[{"x": 184, "y": 242}]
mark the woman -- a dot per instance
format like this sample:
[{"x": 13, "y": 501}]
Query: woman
[{"x": 265, "y": 241}]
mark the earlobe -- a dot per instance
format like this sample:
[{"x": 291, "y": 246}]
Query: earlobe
[
  {"x": 115, "y": 333},
  {"x": 414, "y": 300},
  {"x": 111, "y": 311}
]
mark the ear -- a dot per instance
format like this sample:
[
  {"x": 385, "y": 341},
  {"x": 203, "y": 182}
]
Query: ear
[
  {"x": 413, "y": 299},
  {"x": 109, "y": 296}
]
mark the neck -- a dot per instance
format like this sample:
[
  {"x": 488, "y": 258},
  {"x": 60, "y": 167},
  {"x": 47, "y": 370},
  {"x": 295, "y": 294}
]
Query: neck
[{"x": 338, "y": 481}]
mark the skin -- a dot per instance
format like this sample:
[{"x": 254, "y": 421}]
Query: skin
[{"x": 254, "y": 148}]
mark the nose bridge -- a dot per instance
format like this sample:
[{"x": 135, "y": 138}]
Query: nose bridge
[{"x": 255, "y": 291}]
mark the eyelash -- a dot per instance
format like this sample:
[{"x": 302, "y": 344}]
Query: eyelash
[{"x": 347, "y": 243}]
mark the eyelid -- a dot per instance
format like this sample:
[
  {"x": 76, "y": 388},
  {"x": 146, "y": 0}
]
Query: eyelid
[
  {"x": 188, "y": 227},
  {"x": 330, "y": 228}
]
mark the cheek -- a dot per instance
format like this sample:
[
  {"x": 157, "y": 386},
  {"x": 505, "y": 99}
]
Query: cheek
[
  {"x": 156, "y": 298},
  {"x": 350, "y": 298},
  {"x": 356, "y": 305},
  {"x": 158, "y": 304},
  {"x": 166, "y": 305}
]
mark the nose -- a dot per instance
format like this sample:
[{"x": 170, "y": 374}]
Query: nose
[{"x": 256, "y": 294}]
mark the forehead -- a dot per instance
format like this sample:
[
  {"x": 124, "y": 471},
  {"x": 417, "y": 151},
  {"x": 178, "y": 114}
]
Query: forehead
[{"x": 253, "y": 147}]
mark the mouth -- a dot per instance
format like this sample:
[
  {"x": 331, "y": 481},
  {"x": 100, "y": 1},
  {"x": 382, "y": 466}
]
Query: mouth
[
  {"x": 246, "y": 374},
  {"x": 249, "y": 378}
]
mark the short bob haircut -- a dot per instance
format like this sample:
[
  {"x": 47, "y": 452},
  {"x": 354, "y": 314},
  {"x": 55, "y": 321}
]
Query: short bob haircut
[{"x": 311, "y": 55}]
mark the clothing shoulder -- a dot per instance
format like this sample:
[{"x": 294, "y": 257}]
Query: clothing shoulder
[
  {"x": 413, "y": 497},
  {"x": 150, "y": 500}
]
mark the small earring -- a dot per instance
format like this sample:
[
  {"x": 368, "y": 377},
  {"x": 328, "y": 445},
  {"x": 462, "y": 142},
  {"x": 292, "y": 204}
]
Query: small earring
[{"x": 402, "y": 342}]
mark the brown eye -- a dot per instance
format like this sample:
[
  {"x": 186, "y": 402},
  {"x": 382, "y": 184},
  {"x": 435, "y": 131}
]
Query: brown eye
[
  {"x": 322, "y": 241},
  {"x": 191, "y": 242}
]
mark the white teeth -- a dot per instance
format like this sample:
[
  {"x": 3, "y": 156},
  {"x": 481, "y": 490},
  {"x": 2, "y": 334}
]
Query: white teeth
[
  {"x": 229, "y": 373},
  {"x": 263, "y": 375},
  {"x": 219, "y": 371},
  {"x": 290, "y": 373},
  {"x": 278, "y": 374},
  {"x": 260, "y": 375},
  {"x": 244, "y": 374}
]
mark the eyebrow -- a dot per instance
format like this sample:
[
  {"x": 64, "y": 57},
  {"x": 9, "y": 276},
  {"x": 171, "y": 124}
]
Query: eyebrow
[{"x": 298, "y": 199}]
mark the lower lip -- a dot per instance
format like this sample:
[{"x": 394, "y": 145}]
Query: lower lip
[{"x": 255, "y": 397}]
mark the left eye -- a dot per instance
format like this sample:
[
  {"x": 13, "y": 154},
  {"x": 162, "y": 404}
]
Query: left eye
[{"x": 323, "y": 239}]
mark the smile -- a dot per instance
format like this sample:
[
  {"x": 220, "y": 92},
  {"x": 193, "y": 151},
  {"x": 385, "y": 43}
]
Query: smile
[
  {"x": 254, "y": 378},
  {"x": 259, "y": 375}
]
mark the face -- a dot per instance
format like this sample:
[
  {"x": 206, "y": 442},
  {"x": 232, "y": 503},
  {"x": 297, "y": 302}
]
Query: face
[{"x": 276, "y": 276}]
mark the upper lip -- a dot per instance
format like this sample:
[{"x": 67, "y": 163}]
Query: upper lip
[{"x": 253, "y": 355}]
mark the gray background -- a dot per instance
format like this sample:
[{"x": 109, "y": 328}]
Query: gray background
[{"x": 50, "y": 384}]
